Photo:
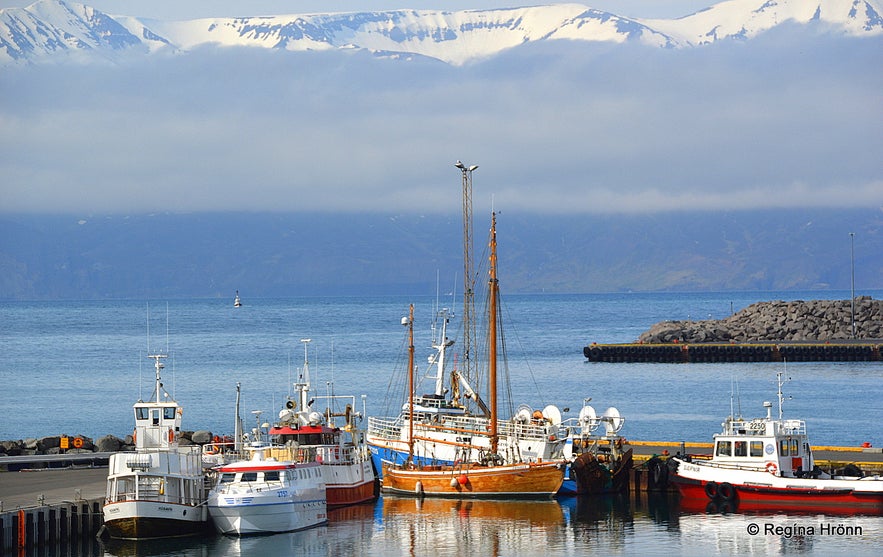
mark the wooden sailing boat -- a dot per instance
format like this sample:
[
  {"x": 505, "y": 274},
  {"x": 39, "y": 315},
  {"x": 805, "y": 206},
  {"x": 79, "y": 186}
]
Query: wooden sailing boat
[{"x": 491, "y": 478}]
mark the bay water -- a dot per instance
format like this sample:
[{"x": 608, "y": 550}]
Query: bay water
[{"x": 76, "y": 368}]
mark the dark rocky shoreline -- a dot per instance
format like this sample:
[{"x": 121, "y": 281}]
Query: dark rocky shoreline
[
  {"x": 107, "y": 444},
  {"x": 778, "y": 321}
]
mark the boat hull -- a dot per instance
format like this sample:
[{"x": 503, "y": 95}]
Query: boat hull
[
  {"x": 590, "y": 476},
  {"x": 344, "y": 495},
  {"x": 527, "y": 480},
  {"x": 129, "y": 520},
  {"x": 761, "y": 491},
  {"x": 265, "y": 515}
]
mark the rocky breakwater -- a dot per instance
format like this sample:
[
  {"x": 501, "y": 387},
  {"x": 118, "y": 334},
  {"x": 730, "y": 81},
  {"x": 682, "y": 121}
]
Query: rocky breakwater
[
  {"x": 85, "y": 445},
  {"x": 779, "y": 321}
]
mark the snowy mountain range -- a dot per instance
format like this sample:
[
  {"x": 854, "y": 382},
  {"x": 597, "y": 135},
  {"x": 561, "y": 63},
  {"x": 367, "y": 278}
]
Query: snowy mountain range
[{"x": 51, "y": 30}]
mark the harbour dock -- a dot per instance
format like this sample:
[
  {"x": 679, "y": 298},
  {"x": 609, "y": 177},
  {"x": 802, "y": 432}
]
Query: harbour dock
[
  {"x": 46, "y": 506},
  {"x": 721, "y": 352}
]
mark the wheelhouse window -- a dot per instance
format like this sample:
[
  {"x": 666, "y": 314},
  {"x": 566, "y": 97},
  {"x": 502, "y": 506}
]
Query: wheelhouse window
[
  {"x": 756, "y": 448},
  {"x": 227, "y": 478},
  {"x": 141, "y": 413},
  {"x": 249, "y": 476},
  {"x": 168, "y": 413},
  {"x": 723, "y": 448},
  {"x": 784, "y": 447},
  {"x": 271, "y": 476},
  {"x": 740, "y": 448}
]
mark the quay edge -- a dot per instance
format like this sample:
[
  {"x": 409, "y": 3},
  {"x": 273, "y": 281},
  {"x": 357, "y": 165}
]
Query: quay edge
[{"x": 727, "y": 352}]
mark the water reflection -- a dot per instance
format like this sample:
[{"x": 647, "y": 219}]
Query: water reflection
[
  {"x": 636, "y": 524},
  {"x": 481, "y": 527}
]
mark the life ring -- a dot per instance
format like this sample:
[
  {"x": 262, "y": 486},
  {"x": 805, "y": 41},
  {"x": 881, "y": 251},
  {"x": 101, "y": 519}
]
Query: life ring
[
  {"x": 772, "y": 468},
  {"x": 78, "y": 442},
  {"x": 171, "y": 435}
]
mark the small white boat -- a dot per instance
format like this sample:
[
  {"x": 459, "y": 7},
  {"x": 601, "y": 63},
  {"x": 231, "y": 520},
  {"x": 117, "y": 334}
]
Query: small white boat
[
  {"x": 264, "y": 495},
  {"x": 237, "y": 302},
  {"x": 158, "y": 490},
  {"x": 766, "y": 464}
]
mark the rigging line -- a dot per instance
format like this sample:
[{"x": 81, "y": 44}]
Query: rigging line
[{"x": 521, "y": 346}]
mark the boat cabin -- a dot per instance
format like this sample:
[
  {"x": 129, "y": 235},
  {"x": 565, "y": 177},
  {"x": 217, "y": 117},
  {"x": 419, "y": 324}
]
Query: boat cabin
[
  {"x": 779, "y": 446},
  {"x": 157, "y": 421},
  {"x": 157, "y": 425}
]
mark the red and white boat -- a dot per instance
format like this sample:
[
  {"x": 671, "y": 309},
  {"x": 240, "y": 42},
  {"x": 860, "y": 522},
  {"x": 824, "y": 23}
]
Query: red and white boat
[
  {"x": 305, "y": 435},
  {"x": 767, "y": 464}
]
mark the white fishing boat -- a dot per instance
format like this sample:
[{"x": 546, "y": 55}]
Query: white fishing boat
[
  {"x": 452, "y": 423},
  {"x": 237, "y": 301},
  {"x": 264, "y": 495},
  {"x": 766, "y": 464},
  {"x": 159, "y": 490},
  {"x": 304, "y": 434}
]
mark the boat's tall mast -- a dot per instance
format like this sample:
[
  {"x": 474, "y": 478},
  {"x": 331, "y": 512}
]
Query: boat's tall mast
[
  {"x": 410, "y": 382},
  {"x": 237, "y": 426},
  {"x": 303, "y": 384},
  {"x": 492, "y": 332},
  {"x": 468, "y": 277},
  {"x": 158, "y": 366}
]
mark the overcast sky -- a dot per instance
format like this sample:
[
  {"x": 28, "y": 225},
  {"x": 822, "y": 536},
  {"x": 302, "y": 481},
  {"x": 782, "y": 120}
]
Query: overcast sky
[{"x": 555, "y": 127}]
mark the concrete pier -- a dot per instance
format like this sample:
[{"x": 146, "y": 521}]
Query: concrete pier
[{"x": 45, "y": 508}]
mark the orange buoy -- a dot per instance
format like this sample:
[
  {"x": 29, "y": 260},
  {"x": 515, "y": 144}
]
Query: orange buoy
[{"x": 463, "y": 479}]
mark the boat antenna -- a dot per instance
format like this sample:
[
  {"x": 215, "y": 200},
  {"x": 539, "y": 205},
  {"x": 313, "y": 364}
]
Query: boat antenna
[
  {"x": 780, "y": 381},
  {"x": 167, "y": 330},
  {"x": 305, "y": 372},
  {"x": 148, "y": 327},
  {"x": 140, "y": 378}
]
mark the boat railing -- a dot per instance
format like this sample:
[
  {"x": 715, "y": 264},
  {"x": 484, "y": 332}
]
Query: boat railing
[
  {"x": 391, "y": 428},
  {"x": 155, "y": 493},
  {"x": 729, "y": 465},
  {"x": 323, "y": 454},
  {"x": 545, "y": 431},
  {"x": 388, "y": 428},
  {"x": 793, "y": 427}
]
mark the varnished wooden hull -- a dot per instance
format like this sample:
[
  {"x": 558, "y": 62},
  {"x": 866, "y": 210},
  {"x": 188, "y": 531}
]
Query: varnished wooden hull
[{"x": 525, "y": 480}]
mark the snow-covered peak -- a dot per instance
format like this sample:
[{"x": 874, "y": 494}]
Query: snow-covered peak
[{"x": 49, "y": 27}]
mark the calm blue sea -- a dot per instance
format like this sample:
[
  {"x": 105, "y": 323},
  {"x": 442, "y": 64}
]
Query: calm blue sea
[{"x": 77, "y": 368}]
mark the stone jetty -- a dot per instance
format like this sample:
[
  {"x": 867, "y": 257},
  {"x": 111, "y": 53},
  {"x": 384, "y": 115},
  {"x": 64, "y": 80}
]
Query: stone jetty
[
  {"x": 83, "y": 444},
  {"x": 778, "y": 321}
]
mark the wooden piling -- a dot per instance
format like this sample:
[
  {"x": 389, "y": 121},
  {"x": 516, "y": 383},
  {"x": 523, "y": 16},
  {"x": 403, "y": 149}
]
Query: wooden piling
[{"x": 49, "y": 525}]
